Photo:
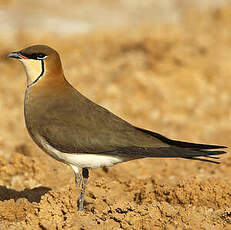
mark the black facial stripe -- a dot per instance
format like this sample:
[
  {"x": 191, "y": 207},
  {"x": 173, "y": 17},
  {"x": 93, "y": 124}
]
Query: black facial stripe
[
  {"x": 30, "y": 56},
  {"x": 40, "y": 75},
  {"x": 35, "y": 56}
]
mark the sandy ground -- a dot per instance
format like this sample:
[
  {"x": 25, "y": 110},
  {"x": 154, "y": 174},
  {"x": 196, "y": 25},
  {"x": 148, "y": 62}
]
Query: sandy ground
[{"x": 174, "y": 79}]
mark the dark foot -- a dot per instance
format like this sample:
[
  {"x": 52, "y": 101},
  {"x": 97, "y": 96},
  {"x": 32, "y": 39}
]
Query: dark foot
[
  {"x": 80, "y": 207},
  {"x": 85, "y": 174}
]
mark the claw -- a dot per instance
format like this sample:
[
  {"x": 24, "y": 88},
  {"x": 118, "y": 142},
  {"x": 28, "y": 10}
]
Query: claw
[{"x": 80, "y": 206}]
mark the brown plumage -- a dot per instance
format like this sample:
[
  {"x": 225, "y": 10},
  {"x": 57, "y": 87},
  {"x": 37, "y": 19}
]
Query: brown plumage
[{"x": 82, "y": 134}]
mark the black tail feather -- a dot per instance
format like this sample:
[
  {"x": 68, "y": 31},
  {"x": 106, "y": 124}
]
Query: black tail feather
[
  {"x": 181, "y": 144},
  {"x": 200, "y": 159},
  {"x": 213, "y": 157},
  {"x": 135, "y": 152},
  {"x": 174, "y": 149},
  {"x": 170, "y": 152}
]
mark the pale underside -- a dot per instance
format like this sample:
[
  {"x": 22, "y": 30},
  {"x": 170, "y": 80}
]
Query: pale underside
[{"x": 83, "y": 160}]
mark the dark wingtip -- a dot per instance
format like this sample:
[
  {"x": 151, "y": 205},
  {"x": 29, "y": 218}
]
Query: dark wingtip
[
  {"x": 214, "y": 153},
  {"x": 212, "y": 157},
  {"x": 223, "y": 147},
  {"x": 204, "y": 160},
  {"x": 182, "y": 144},
  {"x": 219, "y": 147}
]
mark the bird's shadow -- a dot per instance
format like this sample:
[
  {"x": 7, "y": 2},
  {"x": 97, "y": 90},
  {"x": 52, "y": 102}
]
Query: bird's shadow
[{"x": 32, "y": 195}]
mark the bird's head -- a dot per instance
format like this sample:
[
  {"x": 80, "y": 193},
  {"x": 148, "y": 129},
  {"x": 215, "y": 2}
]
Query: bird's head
[{"x": 40, "y": 62}]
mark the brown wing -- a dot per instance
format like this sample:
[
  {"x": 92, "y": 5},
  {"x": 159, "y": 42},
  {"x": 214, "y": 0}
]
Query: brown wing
[{"x": 81, "y": 126}]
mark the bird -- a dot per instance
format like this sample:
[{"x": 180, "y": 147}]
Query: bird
[{"x": 82, "y": 134}]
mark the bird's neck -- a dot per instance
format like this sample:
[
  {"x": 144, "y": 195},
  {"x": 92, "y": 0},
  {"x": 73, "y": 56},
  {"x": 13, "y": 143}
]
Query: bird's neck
[{"x": 48, "y": 85}]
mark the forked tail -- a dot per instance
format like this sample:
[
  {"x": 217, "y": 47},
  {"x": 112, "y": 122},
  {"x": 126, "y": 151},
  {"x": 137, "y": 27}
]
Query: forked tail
[{"x": 183, "y": 149}]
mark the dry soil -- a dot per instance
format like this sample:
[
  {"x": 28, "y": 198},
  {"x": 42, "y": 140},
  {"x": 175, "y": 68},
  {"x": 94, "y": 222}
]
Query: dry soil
[{"x": 173, "y": 79}]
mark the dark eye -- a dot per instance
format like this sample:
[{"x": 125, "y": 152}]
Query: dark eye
[
  {"x": 41, "y": 56},
  {"x": 38, "y": 56}
]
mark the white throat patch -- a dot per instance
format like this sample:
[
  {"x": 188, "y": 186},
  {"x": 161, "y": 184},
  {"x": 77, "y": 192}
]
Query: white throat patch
[{"x": 34, "y": 70}]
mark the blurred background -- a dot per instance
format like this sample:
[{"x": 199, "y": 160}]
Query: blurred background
[{"x": 161, "y": 65}]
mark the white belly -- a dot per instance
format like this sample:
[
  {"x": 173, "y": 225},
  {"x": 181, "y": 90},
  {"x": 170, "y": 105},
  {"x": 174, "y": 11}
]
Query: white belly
[
  {"x": 90, "y": 160},
  {"x": 82, "y": 160}
]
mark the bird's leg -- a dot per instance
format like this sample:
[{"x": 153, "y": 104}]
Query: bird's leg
[
  {"x": 85, "y": 174},
  {"x": 78, "y": 179}
]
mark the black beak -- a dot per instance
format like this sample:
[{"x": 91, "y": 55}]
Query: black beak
[{"x": 15, "y": 55}]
